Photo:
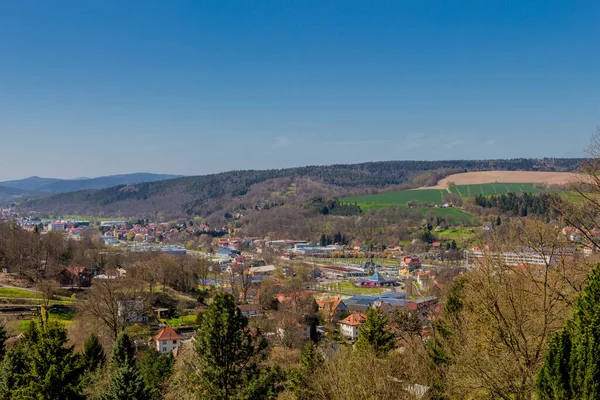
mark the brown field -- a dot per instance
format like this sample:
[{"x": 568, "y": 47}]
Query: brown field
[{"x": 471, "y": 178}]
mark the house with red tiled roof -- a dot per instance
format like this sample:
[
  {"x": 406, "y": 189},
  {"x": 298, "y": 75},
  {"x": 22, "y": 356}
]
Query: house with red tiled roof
[
  {"x": 74, "y": 277},
  {"x": 167, "y": 340},
  {"x": 331, "y": 307},
  {"x": 349, "y": 325}
]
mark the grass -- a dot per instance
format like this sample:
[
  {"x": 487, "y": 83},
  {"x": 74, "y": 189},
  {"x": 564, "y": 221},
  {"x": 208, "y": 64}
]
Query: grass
[
  {"x": 436, "y": 196},
  {"x": 19, "y": 293},
  {"x": 90, "y": 218},
  {"x": 348, "y": 287},
  {"x": 183, "y": 320},
  {"x": 29, "y": 297},
  {"x": 64, "y": 317},
  {"x": 455, "y": 233}
]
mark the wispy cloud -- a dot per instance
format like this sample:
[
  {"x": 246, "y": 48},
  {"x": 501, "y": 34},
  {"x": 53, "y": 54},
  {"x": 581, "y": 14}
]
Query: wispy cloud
[
  {"x": 454, "y": 144},
  {"x": 363, "y": 142},
  {"x": 282, "y": 141},
  {"x": 490, "y": 142}
]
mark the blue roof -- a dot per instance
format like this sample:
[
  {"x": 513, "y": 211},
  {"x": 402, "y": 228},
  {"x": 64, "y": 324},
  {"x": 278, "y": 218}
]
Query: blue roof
[
  {"x": 376, "y": 277},
  {"x": 393, "y": 295},
  {"x": 360, "y": 300}
]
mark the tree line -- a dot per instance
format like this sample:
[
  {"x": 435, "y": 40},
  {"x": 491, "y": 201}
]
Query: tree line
[{"x": 521, "y": 205}]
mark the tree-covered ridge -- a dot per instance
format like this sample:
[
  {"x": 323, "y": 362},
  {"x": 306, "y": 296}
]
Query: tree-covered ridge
[{"x": 200, "y": 195}]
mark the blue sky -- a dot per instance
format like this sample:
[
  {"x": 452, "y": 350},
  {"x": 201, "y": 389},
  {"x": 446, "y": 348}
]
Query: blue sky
[{"x": 91, "y": 88}]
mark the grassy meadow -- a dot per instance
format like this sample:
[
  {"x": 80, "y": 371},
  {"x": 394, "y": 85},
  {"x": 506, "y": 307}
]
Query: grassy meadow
[{"x": 436, "y": 196}]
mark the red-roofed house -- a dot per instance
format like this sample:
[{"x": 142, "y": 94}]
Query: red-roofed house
[
  {"x": 349, "y": 325},
  {"x": 75, "y": 277},
  {"x": 332, "y": 307},
  {"x": 167, "y": 340}
]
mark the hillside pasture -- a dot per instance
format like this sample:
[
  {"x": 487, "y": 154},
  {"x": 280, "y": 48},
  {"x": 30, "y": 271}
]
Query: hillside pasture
[
  {"x": 432, "y": 196},
  {"x": 437, "y": 196}
]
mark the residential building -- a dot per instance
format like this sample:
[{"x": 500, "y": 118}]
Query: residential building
[
  {"x": 249, "y": 309},
  {"x": 331, "y": 307},
  {"x": 167, "y": 340},
  {"x": 56, "y": 226},
  {"x": 262, "y": 270},
  {"x": 349, "y": 326},
  {"x": 511, "y": 258},
  {"x": 74, "y": 277},
  {"x": 131, "y": 311}
]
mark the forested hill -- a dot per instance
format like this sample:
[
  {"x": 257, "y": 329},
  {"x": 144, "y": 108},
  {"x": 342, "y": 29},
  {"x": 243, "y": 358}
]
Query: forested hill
[
  {"x": 37, "y": 185},
  {"x": 207, "y": 194}
]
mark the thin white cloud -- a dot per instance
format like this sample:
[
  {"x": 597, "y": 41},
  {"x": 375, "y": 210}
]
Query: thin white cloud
[
  {"x": 490, "y": 142},
  {"x": 282, "y": 141},
  {"x": 454, "y": 144}
]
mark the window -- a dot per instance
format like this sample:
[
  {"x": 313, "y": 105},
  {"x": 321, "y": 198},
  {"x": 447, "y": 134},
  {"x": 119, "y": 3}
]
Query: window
[
  {"x": 164, "y": 349},
  {"x": 174, "y": 341}
]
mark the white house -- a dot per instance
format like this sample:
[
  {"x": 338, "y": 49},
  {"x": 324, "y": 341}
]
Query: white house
[
  {"x": 56, "y": 226},
  {"x": 131, "y": 311},
  {"x": 167, "y": 340},
  {"x": 349, "y": 325}
]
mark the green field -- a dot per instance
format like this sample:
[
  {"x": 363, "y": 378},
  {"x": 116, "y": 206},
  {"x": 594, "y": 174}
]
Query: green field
[
  {"x": 183, "y": 320},
  {"x": 64, "y": 317},
  {"x": 456, "y": 233},
  {"x": 436, "y": 196}
]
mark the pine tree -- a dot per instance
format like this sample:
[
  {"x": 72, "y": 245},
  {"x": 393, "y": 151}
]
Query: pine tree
[
  {"x": 374, "y": 334},
  {"x": 93, "y": 353},
  {"x": 155, "y": 368},
  {"x": 126, "y": 382},
  {"x": 228, "y": 354},
  {"x": 3, "y": 337},
  {"x": 572, "y": 366},
  {"x": 123, "y": 351},
  {"x": 52, "y": 369},
  {"x": 12, "y": 371}
]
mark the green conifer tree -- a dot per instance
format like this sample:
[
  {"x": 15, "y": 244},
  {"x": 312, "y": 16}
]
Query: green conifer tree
[
  {"x": 3, "y": 337},
  {"x": 12, "y": 371},
  {"x": 123, "y": 351},
  {"x": 155, "y": 368},
  {"x": 374, "y": 334},
  {"x": 52, "y": 369},
  {"x": 229, "y": 355},
  {"x": 572, "y": 366},
  {"x": 127, "y": 384},
  {"x": 126, "y": 381},
  {"x": 93, "y": 353}
]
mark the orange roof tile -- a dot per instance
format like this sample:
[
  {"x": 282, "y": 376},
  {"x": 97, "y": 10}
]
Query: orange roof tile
[
  {"x": 354, "y": 319},
  {"x": 167, "y": 334}
]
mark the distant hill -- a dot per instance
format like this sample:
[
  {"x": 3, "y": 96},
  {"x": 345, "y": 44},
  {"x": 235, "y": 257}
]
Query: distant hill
[
  {"x": 38, "y": 185},
  {"x": 11, "y": 193},
  {"x": 233, "y": 191}
]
